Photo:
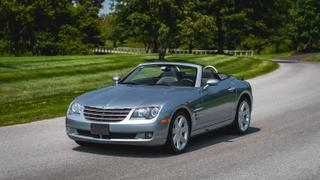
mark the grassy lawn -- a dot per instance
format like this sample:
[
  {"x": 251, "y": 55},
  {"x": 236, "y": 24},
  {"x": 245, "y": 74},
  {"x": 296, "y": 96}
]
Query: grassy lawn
[
  {"x": 313, "y": 58},
  {"x": 35, "y": 88}
]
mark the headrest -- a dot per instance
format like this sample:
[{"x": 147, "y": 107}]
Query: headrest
[{"x": 207, "y": 73}]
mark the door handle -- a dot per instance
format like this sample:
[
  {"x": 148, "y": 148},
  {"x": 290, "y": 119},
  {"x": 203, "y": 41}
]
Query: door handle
[{"x": 231, "y": 88}]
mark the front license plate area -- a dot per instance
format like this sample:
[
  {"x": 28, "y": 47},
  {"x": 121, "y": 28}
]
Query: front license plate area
[{"x": 100, "y": 129}]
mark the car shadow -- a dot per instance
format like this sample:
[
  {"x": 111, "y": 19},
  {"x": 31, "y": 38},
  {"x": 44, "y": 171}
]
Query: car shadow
[
  {"x": 222, "y": 135},
  {"x": 198, "y": 142}
]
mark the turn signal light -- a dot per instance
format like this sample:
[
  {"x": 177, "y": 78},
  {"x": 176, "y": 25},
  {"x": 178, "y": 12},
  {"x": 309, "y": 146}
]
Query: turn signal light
[{"x": 165, "y": 120}]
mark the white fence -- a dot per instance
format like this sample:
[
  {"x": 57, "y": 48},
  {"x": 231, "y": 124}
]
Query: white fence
[
  {"x": 119, "y": 50},
  {"x": 205, "y": 52},
  {"x": 125, "y": 50}
]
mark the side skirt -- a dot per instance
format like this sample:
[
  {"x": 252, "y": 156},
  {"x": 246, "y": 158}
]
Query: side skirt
[{"x": 211, "y": 127}]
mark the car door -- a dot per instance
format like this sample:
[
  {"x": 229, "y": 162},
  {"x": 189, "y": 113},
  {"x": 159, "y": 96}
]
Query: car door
[{"x": 218, "y": 102}]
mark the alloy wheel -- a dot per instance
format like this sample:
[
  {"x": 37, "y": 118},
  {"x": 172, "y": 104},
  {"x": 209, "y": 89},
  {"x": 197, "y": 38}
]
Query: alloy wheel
[
  {"x": 244, "y": 116},
  {"x": 180, "y": 132}
]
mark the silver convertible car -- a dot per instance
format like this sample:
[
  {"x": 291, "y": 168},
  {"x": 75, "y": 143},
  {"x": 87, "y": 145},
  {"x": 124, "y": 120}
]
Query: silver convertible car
[{"x": 161, "y": 103}]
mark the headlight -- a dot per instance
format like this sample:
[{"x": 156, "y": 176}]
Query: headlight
[
  {"x": 146, "y": 112},
  {"x": 75, "y": 108}
]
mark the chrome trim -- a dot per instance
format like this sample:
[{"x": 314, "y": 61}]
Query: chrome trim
[
  {"x": 209, "y": 66},
  {"x": 198, "y": 109},
  {"x": 231, "y": 88},
  {"x": 105, "y": 114}
]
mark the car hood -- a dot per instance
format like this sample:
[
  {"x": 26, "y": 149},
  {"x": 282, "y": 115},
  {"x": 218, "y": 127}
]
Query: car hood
[{"x": 131, "y": 96}]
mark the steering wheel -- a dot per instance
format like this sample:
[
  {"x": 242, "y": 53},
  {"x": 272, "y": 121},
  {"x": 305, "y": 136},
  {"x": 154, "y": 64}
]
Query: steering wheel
[{"x": 188, "y": 81}]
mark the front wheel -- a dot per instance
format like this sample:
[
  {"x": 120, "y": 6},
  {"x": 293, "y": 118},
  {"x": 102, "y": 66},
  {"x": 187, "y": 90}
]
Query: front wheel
[
  {"x": 179, "y": 132},
  {"x": 243, "y": 117}
]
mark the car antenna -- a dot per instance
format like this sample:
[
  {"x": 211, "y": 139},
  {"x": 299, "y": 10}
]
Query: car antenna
[{"x": 242, "y": 78}]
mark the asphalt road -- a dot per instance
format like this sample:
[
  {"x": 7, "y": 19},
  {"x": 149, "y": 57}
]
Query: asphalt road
[{"x": 283, "y": 143}]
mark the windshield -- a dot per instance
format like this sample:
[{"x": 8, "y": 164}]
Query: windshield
[{"x": 167, "y": 75}]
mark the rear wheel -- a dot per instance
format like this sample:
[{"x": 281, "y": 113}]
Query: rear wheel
[
  {"x": 243, "y": 117},
  {"x": 179, "y": 132}
]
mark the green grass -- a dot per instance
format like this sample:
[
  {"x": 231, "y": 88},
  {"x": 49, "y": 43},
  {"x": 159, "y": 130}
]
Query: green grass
[
  {"x": 313, "y": 58},
  {"x": 274, "y": 56},
  {"x": 35, "y": 88}
]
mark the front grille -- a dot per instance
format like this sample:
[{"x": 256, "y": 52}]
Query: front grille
[{"x": 105, "y": 115}]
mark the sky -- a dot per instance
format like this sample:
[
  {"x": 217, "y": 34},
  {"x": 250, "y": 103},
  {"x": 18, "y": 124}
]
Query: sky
[{"x": 106, "y": 7}]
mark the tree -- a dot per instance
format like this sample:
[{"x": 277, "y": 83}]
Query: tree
[
  {"x": 28, "y": 23},
  {"x": 4, "y": 43},
  {"x": 112, "y": 30},
  {"x": 194, "y": 26},
  {"x": 265, "y": 24},
  {"x": 306, "y": 24},
  {"x": 249, "y": 24},
  {"x": 89, "y": 21},
  {"x": 230, "y": 21},
  {"x": 194, "y": 30},
  {"x": 215, "y": 8},
  {"x": 39, "y": 27},
  {"x": 155, "y": 21},
  {"x": 51, "y": 27},
  {"x": 70, "y": 41}
]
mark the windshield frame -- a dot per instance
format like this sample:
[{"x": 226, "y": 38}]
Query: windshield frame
[{"x": 198, "y": 69}]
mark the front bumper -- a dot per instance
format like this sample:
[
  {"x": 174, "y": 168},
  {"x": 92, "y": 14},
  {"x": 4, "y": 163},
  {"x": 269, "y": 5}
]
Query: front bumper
[{"x": 130, "y": 132}]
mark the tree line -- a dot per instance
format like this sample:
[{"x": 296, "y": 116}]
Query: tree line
[
  {"x": 49, "y": 27},
  {"x": 54, "y": 27}
]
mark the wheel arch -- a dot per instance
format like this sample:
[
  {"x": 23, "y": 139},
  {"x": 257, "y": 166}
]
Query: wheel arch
[
  {"x": 247, "y": 95},
  {"x": 184, "y": 108}
]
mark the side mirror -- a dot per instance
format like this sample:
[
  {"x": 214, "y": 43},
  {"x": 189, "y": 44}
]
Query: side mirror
[
  {"x": 210, "y": 82},
  {"x": 116, "y": 79}
]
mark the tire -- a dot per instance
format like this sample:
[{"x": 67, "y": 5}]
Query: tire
[
  {"x": 83, "y": 143},
  {"x": 179, "y": 133},
  {"x": 242, "y": 120}
]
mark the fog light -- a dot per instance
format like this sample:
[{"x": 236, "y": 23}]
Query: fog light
[
  {"x": 144, "y": 135},
  {"x": 71, "y": 130},
  {"x": 149, "y": 135},
  {"x": 140, "y": 135}
]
